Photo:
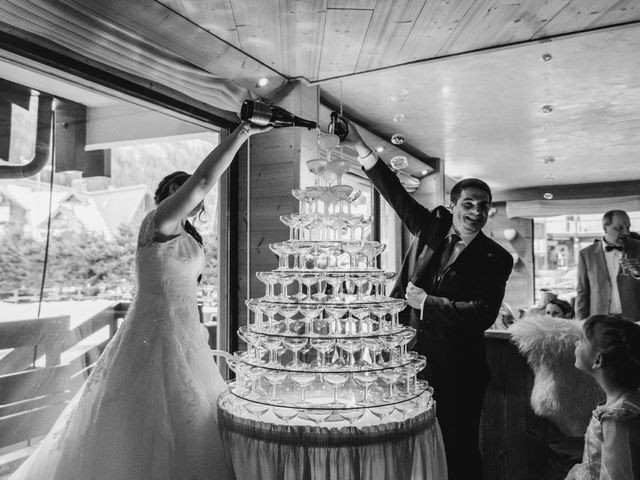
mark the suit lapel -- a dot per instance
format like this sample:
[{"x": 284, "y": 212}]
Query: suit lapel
[
  {"x": 425, "y": 251},
  {"x": 601, "y": 262},
  {"x": 471, "y": 255}
]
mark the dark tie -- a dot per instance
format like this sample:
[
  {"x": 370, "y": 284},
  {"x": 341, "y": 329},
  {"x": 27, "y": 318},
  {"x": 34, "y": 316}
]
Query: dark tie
[
  {"x": 608, "y": 248},
  {"x": 448, "y": 250}
]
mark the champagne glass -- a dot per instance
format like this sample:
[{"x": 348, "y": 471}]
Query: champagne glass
[
  {"x": 336, "y": 283},
  {"x": 406, "y": 407},
  {"x": 365, "y": 379},
  {"x": 336, "y": 379},
  {"x": 256, "y": 409},
  {"x": 353, "y": 248},
  {"x": 275, "y": 378},
  {"x": 317, "y": 415},
  {"x": 338, "y": 167},
  {"x": 336, "y": 312},
  {"x": 309, "y": 312},
  {"x": 352, "y": 414},
  {"x": 308, "y": 279},
  {"x": 289, "y": 221},
  {"x": 351, "y": 346},
  {"x": 322, "y": 346},
  {"x": 295, "y": 344},
  {"x": 417, "y": 366},
  {"x": 285, "y": 413},
  {"x": 285, "y": 281},
  {"x": 303, "y": 380},
  {"x": 317, "y": 166},
  {"x": 254, "y": 374},
  {"x": 288, "y": 310},
  {"x": 298, "y": 194},
  {"x": 252, "y": 342},
  {"x": 623, "y": 265},
  {"x": 271, "y": 343},
  {"x": 406, "y": 336},
  {"x": 373, "y": 345},
  {"x": 390, "y": 342},
  {"x": 281, "y": 251},
  {"x": 390, "y": 376},
  {"x": 256, "y": 308},
  {"x": 383, "y": 411}
]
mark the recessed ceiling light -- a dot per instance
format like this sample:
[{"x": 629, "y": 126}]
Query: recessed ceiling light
[
  {"x": 547, "y": 108},
  {"x": 263, "y": 82},
  {"x": 423, "y": 172},
  {"x": 379, "y": 149}
]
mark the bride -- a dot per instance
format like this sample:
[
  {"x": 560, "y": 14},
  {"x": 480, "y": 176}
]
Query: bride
[{"x": 148, "y": 409}]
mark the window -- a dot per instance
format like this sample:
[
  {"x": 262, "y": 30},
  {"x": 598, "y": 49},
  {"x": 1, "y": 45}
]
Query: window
[
  {"x": 557, "y": 244},
  {"x": 109, "y": 156}
]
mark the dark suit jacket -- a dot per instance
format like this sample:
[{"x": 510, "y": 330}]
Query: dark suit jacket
[
  {"x": 462, "y": 304},
  {"x": 594, "y": 287}
]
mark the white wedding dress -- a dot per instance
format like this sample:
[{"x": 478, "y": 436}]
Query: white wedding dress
[{"x": 148, "y": 409}]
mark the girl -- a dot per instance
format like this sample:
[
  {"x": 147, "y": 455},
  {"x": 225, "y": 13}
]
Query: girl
[{"x": 609, "y": 350}]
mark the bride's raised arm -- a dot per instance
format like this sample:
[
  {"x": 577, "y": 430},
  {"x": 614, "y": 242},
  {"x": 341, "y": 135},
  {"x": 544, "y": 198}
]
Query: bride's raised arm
[{"x": 181, "y": 202}]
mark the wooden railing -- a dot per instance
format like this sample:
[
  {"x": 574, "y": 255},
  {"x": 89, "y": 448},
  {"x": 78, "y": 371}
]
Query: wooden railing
[{"x": 36, "y": 382}]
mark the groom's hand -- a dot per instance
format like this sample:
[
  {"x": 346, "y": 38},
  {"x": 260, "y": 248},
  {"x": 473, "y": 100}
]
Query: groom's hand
[{"x": 415, "y": 296}]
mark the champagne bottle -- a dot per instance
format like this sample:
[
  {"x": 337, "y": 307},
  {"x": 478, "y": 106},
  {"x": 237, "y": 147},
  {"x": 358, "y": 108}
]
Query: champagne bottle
[
  {"x": 338, "y": 126},
  {"x": 263, "y": 114}
]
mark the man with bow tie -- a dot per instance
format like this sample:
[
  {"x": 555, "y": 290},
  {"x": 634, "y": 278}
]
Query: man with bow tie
[
  {"x": 609, "y": 271},
  {"x": 453, "y": 278}
]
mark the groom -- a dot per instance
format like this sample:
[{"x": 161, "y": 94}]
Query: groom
[{"x": 453, "y": 278}]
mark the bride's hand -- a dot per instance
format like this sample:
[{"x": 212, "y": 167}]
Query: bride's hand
[{"x": 249, "y": 129}]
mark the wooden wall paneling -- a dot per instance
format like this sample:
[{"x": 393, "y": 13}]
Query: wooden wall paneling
[
  {"x": 498, "y": 22},
  {"x": 433, "y": 26},
  {"x": 345, "y": 31},
  {"x": 306, "y": 35},
  {"x": 390, "y": 26},
  {"x": 216, "y": 16},
  {"x": 577, "y": 15},
  {"x": 513, "y": 440}
]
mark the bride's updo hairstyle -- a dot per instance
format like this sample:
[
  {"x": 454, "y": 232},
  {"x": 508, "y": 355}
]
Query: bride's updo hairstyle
[{"x": 164, "y": 190}]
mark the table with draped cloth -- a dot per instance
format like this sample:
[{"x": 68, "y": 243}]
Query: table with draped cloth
[{"x": 396, "y": 447}]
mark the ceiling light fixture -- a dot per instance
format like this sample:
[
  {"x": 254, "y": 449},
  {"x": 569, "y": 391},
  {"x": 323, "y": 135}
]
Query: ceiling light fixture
[
  {"x": 263, "y": 82},
  {"x": 379, "y": 149},
  {"x": 547, "y": 108}
]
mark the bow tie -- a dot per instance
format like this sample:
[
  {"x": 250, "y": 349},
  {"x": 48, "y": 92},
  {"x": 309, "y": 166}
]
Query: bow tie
[{"x": 608, "y": 248}]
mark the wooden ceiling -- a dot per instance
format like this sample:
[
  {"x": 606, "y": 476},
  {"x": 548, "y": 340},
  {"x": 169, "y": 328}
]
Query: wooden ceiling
[
  {"x": 323, "y": 39},
  {"x": 473, "y": 70},
  {"x": 474, "y": 73}
]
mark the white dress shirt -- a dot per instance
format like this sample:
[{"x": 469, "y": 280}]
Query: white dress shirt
[{"x": 613, "y": 266}]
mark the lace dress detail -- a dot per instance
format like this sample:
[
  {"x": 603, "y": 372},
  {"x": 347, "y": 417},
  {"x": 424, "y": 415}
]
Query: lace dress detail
[{"x": 148, "y": 409}]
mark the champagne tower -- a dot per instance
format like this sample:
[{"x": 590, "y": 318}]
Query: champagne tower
[{"x": 324, "y": 344}]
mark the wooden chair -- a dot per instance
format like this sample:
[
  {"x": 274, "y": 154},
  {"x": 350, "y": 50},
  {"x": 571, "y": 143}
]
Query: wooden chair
[{"x": 31, "y": 398}]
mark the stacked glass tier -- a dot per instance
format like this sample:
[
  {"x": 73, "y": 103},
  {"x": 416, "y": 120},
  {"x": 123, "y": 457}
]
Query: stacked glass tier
[{"x": 325, "y": 336}]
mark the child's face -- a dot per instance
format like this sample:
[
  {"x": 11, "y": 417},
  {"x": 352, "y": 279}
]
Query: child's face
[{"x": 585, "y": 355}]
